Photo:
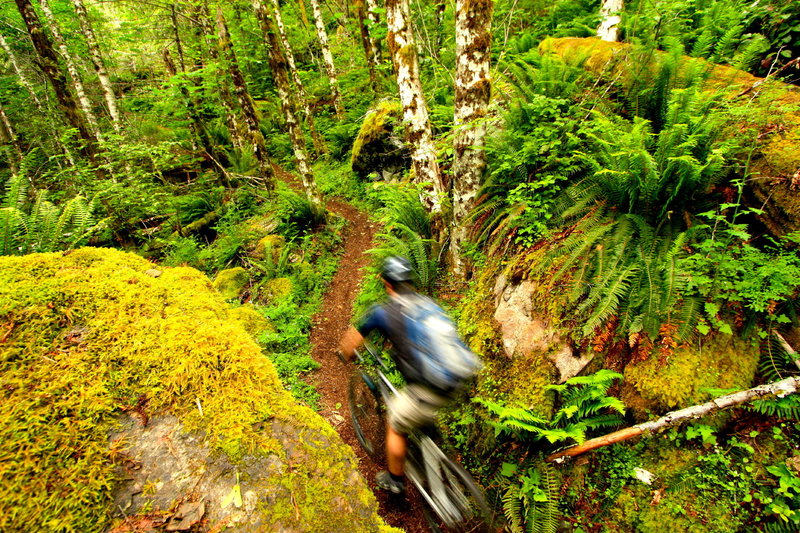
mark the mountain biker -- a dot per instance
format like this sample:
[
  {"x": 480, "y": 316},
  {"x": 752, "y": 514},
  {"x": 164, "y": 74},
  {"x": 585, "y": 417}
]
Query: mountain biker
[{"x": 416, "y": 404}]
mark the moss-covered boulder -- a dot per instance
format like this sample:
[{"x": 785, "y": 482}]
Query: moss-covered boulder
[
  {"x": 717, "y": 362},
  {"x": 87, "y": 336},
  {"x": 270, "y": 244},
  {"x": 231, "y": 282},
  {"x": 379, "y": 147},
  {"x": 768, "y": 115},
  {"x": 275, "y": 289},
  {"x": 251, "y": 320}
]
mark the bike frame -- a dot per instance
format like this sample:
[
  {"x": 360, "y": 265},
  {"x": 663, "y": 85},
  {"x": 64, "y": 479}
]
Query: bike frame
[{"x": 436, "y": 495}]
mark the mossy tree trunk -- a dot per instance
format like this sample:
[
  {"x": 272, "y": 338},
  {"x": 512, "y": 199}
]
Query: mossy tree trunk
[
  {"x": 316, "y": 138},
  {"x": 205, "y": 29},
  {"x": 72, "y": 69},
  {"x": 415, "y": 110},
  {"x": 277, "y": 62},
  {"x": 373, "y": 15},
  {"x": 256, "y": 139},
  {"x": 9, "y": 137},
  {"x": 48, "y": 62},
  {"x": 610, "y": 11},
  {"x": 370, "y": 50},
  {"x": 99, "y": 64},
  {"x": 472, "y": 93},
  {"x": 23, "y": 80},
  {"x": 330, "y": 68}
]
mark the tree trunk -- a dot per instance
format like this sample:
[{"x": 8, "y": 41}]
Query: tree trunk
[
  {"x": 277, "y": 63},
  {"x": 48, "y": 61},
  {"x": 9, "y": 138},
  {"x": 330, "y": 68},
  {"x": 72, "y": 68},
  {"x": 178, "y": 43},
  {"x": 316, "y": 138},
  {"x": 368, "y": 43},
  {"x": 99, "y": 64},
  {"x": 472, "y": 93},
  {"x": 778, "y": 388},
  {"x": 415, "y": 110},
  {"x": 246, "y": 104},
  {"x": 374, "y": 19},
  {"x": 205, "y": 27},
  {"x": 610, "y": 19}
]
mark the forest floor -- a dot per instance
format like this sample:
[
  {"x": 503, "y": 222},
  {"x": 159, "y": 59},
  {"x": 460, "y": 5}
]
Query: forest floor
[{"x": 327, "y": 328}]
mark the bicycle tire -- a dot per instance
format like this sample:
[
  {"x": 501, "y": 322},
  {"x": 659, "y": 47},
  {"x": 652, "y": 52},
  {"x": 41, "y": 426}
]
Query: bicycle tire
[
  {"x": 367, "y": 416},
  {"x": 465, "y": 495}
]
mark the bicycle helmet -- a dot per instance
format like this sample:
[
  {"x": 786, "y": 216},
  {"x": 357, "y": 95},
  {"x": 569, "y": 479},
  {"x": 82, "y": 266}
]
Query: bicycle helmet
[{"x": 396, "y": 269}]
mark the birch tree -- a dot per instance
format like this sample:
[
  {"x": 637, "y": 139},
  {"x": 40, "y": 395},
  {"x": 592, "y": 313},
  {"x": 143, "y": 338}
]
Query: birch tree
[
  {"x": 330, "y": 68},
  {"x": 316, "y": 138},
  {"x": 610, "y": 18},
  {"x": 99, "y": 65},
  {"x": 48, "y": 62},
  {"x": 472, "y": 93},
  {"x": 415, "y": 110},
  {"x": 245, "y": 104},
  {"x": 72, "y": 69},
  {"x": 278, "y": 64},
  {"x": 370, "y": 49}
]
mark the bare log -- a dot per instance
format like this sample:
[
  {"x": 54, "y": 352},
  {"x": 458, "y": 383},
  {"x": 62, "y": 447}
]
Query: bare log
[{"x": 778, "y": 388}]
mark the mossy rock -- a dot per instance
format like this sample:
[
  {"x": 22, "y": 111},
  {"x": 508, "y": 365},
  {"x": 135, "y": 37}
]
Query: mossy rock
[
  {"x": 719, "y": 362},
  {"x": 231, "y": 283},
  {"x": 769, "y": 109},
  {"x": 88, "y": 336},
  {"x": 275, "y": 289},
  {"x": 252, "y": 321},
  {"x": 272, "y": 244},
  {"x": 379, "y": 146}
]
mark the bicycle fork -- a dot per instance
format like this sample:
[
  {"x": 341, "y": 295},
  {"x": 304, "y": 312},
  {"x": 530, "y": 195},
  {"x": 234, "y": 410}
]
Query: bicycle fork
[{"x": 436, "y": 493}]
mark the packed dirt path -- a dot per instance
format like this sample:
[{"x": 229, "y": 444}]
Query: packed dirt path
[{"x": 331, "y": 379}]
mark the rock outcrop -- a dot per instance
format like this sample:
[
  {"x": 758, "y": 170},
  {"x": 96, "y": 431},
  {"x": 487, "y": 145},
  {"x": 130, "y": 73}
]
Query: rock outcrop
[{"x": 379, "y": 148}]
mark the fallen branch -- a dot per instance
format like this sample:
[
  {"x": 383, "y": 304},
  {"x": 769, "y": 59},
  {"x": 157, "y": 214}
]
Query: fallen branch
[{"x": 778, "y": 388}]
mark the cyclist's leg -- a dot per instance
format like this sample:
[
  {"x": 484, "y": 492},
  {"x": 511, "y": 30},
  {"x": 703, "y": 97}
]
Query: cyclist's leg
[{"x": 413, "y": 407}]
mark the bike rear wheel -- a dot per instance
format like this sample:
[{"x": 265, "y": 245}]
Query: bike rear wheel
[
  {"x": 367, "y": 414},
  {"x": 458, "y": 504}
]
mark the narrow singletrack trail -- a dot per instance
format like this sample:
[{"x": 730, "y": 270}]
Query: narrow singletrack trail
[{"x": 331, "y": 379}]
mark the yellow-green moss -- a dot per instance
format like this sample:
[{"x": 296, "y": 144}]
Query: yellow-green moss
[
  {"x": 251, "y": 320},
  {"x": 230, "y": 283},
  {"x": 275, "y": 289},
  {"x": 89, "y": 332},
  {"x": 721, "y": 362},
  {"x": 272, "y": 244},
  {"x": 375, "y": 125}
]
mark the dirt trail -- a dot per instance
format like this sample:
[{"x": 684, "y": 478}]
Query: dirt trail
[{"x": 327, "y": 328}]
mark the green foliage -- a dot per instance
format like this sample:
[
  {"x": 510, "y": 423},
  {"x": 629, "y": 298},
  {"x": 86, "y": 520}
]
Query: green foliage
[
  {"x": 298, "y": 214},
  {"x": 584, "y": 406},
  {"x": 530, "y": 497}
]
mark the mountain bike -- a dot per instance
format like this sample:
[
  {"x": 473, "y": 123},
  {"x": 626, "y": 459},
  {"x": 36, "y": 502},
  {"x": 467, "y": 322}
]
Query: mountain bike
[{"x": 454, "y": 502}]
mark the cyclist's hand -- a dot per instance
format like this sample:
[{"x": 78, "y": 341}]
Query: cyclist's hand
[{"x": 341, "y": 356}]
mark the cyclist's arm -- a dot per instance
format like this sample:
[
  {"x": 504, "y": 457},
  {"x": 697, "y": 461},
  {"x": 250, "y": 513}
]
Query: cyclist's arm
[
  {"x": 375, "y": 318},
  {"x": 350, "y": 342}
]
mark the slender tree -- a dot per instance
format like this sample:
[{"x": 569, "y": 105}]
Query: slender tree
[
  {"x": 610, "y": 18},
  {"x": 72, "y": 69},
  {"x": 374, "y": 18},
  {"x": 370, "y": 50},
  {"x": 279, "y": 66},
  {"x": 48, "y": 61},
  {"x": 99, "y": 65},
  {"x": 415, "y": 110},
  {"x": 245, "y": 104},
  {"x": 9, "y": 137},
  {"x": 316, "y": 138},
  {"x": 472, "y": 93},
  {"x": 330, "y": 68}
]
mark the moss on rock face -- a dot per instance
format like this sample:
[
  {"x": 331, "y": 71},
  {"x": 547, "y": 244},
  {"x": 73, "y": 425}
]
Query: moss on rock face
[
  {"x": 231, "y": 282},
  {"x": 271, "y": 244},
  {"x": 88, "y": 333},
  {"x": 378, "y": 147},
  {"x": 252, "y": 321},
  {"x": 275, "y": 289},
  {"x": 721, "y": 362}
]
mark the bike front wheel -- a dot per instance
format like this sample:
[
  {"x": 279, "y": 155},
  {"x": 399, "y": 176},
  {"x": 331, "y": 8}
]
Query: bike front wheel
[
  {"x": 367, "y": 414},
  {"x": 455, "y": 503}
]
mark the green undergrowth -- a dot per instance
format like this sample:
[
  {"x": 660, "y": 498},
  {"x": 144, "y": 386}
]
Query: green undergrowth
[{"x": 96, "y": 332}]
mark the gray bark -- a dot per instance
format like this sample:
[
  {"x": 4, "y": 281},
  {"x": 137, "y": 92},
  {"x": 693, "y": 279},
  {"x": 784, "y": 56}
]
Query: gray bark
[
  {"x": 472, "y": 94},
  {"x": 330, "y": 68},
  {"x": 72, "y": 68},
  {"x": 99, "y": 65},
  {"x": 9, "y": 138},
  {"x": 415, "y": 110},
  {"x": 609, "y": 25}
]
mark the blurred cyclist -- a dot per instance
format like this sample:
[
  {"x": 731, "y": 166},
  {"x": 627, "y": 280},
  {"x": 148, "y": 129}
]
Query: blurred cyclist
[{"x": 416, "y": 404}]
